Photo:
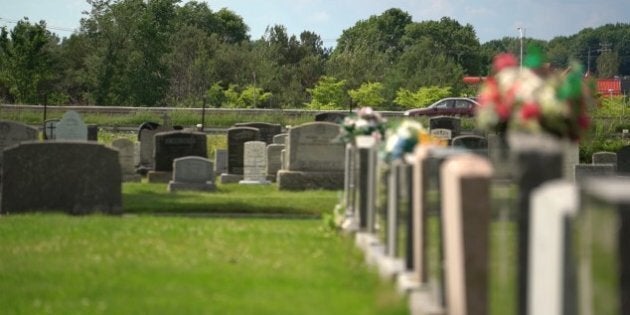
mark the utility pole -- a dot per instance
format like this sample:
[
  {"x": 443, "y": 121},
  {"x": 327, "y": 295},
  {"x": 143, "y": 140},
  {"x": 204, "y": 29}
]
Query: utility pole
[{"x": 520, "y": 32}]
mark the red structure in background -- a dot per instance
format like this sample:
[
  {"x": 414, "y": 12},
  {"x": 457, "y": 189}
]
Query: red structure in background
[{"x": 609, "y": 87}]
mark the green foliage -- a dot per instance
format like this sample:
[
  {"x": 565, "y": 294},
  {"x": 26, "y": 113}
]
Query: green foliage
[
  {"x": 253, "y": 97},
  {"x": 327, "y": 94},
  {"x": 368, "y": 94},
  {"x": 423, "y": 97},
  {"x": 608, "y": 64}
]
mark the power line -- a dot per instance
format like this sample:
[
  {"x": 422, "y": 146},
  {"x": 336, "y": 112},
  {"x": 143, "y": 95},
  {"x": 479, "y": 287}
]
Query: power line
[{"x": 51, "y": 27}]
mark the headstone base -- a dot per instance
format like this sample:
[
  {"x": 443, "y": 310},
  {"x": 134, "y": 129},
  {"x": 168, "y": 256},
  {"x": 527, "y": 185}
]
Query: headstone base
[
  {"x": 177, "y": 186},
  {"x": 422, "y": 302},
  {"x": 364, "y": 240},
  {"x": 159, "y": 177},
  {"x": 295, "y": 180},
  {"x": 254, "y": 182},
  {"x": 230, "y": 178},
  {"x": 350, "y": 224},
  {"x": 407, "y": 282},
  {"x": 389, "y": 267},
  {"x": 132, "y": 178}
]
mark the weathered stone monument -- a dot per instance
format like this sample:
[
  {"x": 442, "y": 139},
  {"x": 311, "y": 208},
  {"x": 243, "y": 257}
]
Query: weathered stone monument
[
  {"x": 71, "y": 127},
  {"x": 220, "y": 161},
  {"x": 445, "y": 127},
  {"x": 236, "y": 138},
  {"x": 127, "y": 159},
  {"x": 74, "y": 177},
  {"x": 314, "y": 159},
  {"x": 192, "y": 173},
  {"x": 280, "y": 138},
  {"x": 254, "y": 163},
  {"x": 146, "y": 137},
  {"x": 274, "y": 160},
  {"x": 12, "y": 133}
]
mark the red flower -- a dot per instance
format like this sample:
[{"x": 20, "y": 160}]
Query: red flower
[
  {"x": 530, "y": 110},
  {"x": 583, "y": 121},
  {"x": 502, "y": 61},
  {"x": 503, "y": 110}
]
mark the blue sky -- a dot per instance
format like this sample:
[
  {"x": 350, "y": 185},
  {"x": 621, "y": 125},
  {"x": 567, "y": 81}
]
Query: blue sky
[{"x": 492, "y": 19}]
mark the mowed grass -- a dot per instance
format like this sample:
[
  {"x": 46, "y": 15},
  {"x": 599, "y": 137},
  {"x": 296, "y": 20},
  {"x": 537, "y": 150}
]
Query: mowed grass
[
  {"x": 140, "y": 264},
  {"x": 230, "y": 198}
]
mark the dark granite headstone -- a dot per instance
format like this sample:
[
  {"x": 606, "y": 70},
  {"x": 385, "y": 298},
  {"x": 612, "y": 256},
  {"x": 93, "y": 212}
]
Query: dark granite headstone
[
  {"x": 623, "y": 161},
  {"x": 267, "y": 131},
  {"x": 470, "y": 142},
  {"x": 334, "y": 117},
  {"x": 175, "y": 144},
  {"x": 446, "y": 122},
  {"x": 236, "y": 139},
  {"x": 92, "y": 132},
  {"x": 73, "y": 177},
  {"x": 12, "y": 133}
]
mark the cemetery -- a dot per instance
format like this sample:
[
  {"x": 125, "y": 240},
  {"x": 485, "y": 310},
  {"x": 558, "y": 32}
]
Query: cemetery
[{"x": 347, "y": 213}]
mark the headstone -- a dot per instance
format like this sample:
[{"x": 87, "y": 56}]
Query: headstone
[
  {"x": 420, "y": 209},
  {"x": 267, "y": 131},
  {"x": 623, "y": 161},
  {"x": 333, "y": 117},
  {"x": 602, "y": 231},
  {"x": 175, "y": 144},
  {"x": 192, "y": 173},
  {"x": 349, "y": 189},
  {"x": 280, "y": 138},
  {"x": 12, "y": 133},
  {"x": 75, "y": 177},
  {"x": 366, "y": 159},
  {"x": 553, "y": 203},
  {"x": 49, "y": 129},
  {"x": 476, "y": 144},
  {"x": 537, "y": 158},
  {"x": 126, "y": 158},
  {"x": 444, "y": 127},
  {"x": 466, "y": 211},
  {"x": 92, "y": 132},
  {"x": 604, "y": 157},
  {"x": 571, "y": 157},
  {"x": 584, "y": 171},
  {"x": 255, "y": 163},
  {"x": 71, "y": 127},
  {"x": 220, "y": 161},
  {"x": 146, "y": 136},
  {"x": 314, "y": 159},
  {"x": 274, "y": 163},
  {"x": 236, "y": 138}
]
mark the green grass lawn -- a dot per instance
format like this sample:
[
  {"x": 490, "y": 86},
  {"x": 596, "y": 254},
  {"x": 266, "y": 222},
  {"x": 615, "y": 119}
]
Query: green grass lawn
[
  {"x": 140, "y": 264},
  {"x": 231, "y": 198}
]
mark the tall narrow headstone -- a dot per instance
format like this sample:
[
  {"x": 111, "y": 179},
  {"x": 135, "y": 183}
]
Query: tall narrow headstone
[
  {"x": 236, "y": 138},
  {"x": 71, "y": 127},
  {"x": 466, "y": 210},
  {"x": 420, "y": 209},
  {"x": 254, "y": 163},
  {"x": 220, "y": 161},
  {"x": 92, "y": 132},
  {"x": 553, "y": 203},
  {"x": 571, "y": 157},
  {"x": 623, "y": 161},
  {"x": 366, "y": 179},
  {"x": 274, "y": 163},
  {"x": 126, "y": 158},
  {"x": 146, "y": 137}
]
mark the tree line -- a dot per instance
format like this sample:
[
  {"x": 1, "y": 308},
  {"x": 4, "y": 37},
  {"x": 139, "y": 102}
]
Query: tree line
[{"x": 162, "y": 53}]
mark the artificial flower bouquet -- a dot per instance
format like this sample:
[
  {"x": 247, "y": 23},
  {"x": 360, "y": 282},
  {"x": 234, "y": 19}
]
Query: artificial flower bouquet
[
  {"x": 534, "y": 99},
  {"x": 364, "y": 122}
]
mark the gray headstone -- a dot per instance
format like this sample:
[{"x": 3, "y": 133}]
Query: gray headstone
[
  {"x": 236, "y": 138},
  {"x": 192, "y": 173},
  {"x": 220, "y": 161},
  {"x": 314, "y": 159},
  {"x": 71, "y": 127},
  {"x": 49, "y": 129},
  {"x": 175, "y": 144},
  {"x": 147, "y": 144},
  {"x": 125, "y": 155},
  {"x": 280, "y": 138},
  {"x": 366, "y": 160},
  {"x": 623, "y": 161},
  {"x": 274, "y": 160},
  {"x": 92, "y": 132},
  {"x": 571, "y": 157},
  {"x": 267, "y": 130},
  {"x": 604, "y": 157},
  {"x": 584, "y": 171},
  {"x": 312, "y": 148},
  {"x": 470, "y": 142},
  {"x": 75, "y": 177},
  {"x": 255, "y": 163},
  {"x": 552, "y": 204},
  {"x": 12, "y": 133}
]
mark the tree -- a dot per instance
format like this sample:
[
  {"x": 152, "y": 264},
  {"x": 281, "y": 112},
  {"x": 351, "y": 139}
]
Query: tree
[
  {"x": 368, "y": 94},
  {"x": 423, "y": 97},
  {"x": 608, "y": 64},
  {"x": 327, "y": 94}
]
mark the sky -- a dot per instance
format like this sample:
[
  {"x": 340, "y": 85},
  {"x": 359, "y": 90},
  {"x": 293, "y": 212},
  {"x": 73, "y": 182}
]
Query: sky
[{"x": 491, "y": 19}]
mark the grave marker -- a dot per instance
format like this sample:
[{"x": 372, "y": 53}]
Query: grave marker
[
  {"x": 255, "y": 163},
  {"x": 192, "y": 173},
  {"x": 71, "y": 127},
  {"x": 126, "y": 158}
]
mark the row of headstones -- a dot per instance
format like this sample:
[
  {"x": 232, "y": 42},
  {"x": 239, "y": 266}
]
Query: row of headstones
[
  {"x": 392, "y": 229},
  {"x": 306, "y": 157}
]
